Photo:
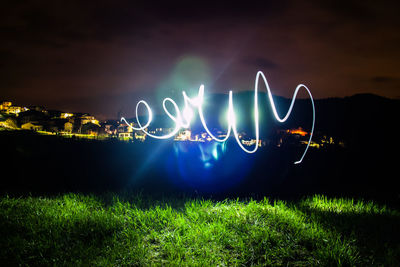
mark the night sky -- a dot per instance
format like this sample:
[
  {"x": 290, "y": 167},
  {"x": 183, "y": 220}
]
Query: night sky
[{"x": 102, "y": 57}]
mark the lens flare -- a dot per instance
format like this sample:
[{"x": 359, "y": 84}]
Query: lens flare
[
  {"x": 182, "y": 120},
  {"x": 188, "y": 114}
]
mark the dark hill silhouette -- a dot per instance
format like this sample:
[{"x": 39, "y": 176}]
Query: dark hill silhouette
[
  {"x": 366, "y": 166},
  {"x": 366, "y": 123},
  {"x": 358, "y": 119}
]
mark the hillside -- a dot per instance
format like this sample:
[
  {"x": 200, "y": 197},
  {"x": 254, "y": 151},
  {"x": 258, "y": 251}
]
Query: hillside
[{"x": 134, "y": 230}]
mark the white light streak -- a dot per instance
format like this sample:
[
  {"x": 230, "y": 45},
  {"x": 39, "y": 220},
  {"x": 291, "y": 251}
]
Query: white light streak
[{"x": 182, "y": 120}]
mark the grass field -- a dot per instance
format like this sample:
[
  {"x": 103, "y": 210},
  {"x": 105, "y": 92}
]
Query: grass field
[{"x": 119, "y": 230}]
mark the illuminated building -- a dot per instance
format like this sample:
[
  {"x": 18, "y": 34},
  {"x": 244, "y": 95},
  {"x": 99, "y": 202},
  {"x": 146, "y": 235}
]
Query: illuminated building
[
  {"x": 110, "y": 129},
  {"x": 125, "y": 132},
  {"x": 125, "y": 136},
  {"x": 65, "y": 115},
  {"x": 251, "y": 142},
  {"x": 195, "y": 138},
  {"x": 5, "y": 105},
  {"x": 326, "y": 140},
  {"x": 90, "y": 129},
  {"x": 15, "y": 110},
  {"x": 9, "y": 123},
  {"x": 122, "y": 128},
  {"x": 298, "y": 131},
  {"x": 32, "y": 126},
  {"x": 141, "y": 136},
  {"x": 183, "y": 135},
  {"x": 89, "y": 119},
  {"x": 68, "y": 127},
  {"x": 311, "y": 144}
]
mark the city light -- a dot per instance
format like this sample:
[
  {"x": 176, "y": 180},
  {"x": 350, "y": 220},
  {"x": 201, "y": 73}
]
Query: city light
[{"x": 182, "y": 120}]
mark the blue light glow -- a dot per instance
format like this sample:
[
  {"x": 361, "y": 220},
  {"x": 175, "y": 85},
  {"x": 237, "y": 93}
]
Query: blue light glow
[{"x": 182, "y": 120}]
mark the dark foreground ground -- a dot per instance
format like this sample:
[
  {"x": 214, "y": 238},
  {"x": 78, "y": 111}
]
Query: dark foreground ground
[
  {"x": 75, "y": 229},
  {"x": 188, "y": 205},
  {"x": 42, "y": 165}
]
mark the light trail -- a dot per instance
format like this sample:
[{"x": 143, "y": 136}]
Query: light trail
[{"x": 182, "y": 120}]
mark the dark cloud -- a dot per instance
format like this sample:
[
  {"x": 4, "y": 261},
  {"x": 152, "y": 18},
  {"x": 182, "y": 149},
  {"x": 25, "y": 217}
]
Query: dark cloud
[{"x": 53, "y": 22}]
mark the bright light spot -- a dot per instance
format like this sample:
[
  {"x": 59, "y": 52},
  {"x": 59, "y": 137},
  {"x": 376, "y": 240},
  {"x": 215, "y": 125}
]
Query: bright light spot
[
  {"x": 197, "y": 101},
  {"x": 215, "y": 153},
  {"x": 207, "y": 165},
  {"x": 187, "y": 114},
  {"x": 231, "y": 117}
]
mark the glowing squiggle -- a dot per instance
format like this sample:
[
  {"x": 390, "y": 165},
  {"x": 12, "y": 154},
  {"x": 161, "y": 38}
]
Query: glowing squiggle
[{"x": 198, "y": 103}]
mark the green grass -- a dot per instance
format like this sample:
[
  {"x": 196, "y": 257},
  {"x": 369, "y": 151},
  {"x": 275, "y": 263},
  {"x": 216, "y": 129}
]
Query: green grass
[{"x": 76, "y": 229}]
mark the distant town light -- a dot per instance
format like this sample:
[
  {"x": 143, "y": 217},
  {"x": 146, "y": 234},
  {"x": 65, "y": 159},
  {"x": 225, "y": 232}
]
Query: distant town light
[
  {"x": 182, "y": 120},
  {"x": 298, "y": 131},
  {"x": 65, "y": 115}
]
